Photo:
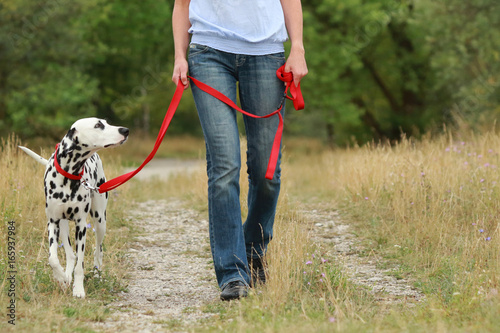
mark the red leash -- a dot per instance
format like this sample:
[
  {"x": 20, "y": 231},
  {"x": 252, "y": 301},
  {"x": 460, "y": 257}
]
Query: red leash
[
  {"x": 115, "y": 182},
  {"x": 296, "y": 97}
]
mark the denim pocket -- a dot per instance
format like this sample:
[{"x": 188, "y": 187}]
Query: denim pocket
[{"x": 195, "y": 49}]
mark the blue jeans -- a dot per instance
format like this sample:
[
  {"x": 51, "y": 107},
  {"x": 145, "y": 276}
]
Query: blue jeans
[{"x": 260, "y": 93}]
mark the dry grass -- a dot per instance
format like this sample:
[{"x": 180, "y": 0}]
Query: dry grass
[
  {"x": 436, "y": 199},
  {"x": 430, "y": 206}
]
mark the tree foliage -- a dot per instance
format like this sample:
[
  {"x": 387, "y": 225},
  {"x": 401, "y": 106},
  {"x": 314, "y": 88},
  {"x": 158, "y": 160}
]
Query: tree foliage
[
  {"x": 381, "y": 68},
  {"x": 378, "y": 68},
  {"x": 44, "y": 62},
  {"x": 62, "y": 60}
]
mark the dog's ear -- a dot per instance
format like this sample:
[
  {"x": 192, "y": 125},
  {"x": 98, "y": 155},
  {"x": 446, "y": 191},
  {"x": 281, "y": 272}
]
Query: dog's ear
[{"x": 71, "y": 134}]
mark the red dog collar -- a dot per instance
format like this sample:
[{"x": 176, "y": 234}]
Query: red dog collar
[{"x": 62, "y": 171}]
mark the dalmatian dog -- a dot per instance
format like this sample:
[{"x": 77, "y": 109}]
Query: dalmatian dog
[{"x": 70, "y": 175}]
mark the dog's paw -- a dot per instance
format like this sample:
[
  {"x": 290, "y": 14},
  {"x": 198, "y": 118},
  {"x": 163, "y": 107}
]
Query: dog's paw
[
  {"x": 62, "y": 279},
  {"x": 78, "y": 293},
  {"x": 68, "y": 277},
  {"x": 97, "y": 264},
  {"x": 63, "y": 285}
]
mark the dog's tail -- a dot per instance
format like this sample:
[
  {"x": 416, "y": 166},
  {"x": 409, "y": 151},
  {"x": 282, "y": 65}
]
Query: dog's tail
[{"x": 37, "y": 157}]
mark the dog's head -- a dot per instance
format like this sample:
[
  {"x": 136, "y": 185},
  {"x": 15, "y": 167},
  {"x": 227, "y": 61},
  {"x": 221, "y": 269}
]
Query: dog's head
[{"x": 94, "y": 134}]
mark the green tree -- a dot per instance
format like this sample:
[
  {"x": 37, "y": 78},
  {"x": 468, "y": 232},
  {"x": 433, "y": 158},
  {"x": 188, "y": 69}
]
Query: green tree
[
  {"x": 370, "y": 74},
  {"x": 44, "y": 62},
  {"x": 62, "y": 60},
  {"x": 464, "y": 44},
  {"x": 137, "y": 42},
  {"x": 378, "y": 68},
  {"x": 381, "y": 68}
]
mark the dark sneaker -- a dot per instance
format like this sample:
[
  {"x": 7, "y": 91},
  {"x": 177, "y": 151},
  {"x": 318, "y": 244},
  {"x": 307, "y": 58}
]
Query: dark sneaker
[
  {"x": 234, "y": 290},
  {"x": 258, "y": 270}
]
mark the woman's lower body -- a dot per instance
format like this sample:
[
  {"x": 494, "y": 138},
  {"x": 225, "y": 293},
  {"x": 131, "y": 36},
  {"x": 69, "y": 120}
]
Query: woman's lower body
[{"x": 253, "y": 78}]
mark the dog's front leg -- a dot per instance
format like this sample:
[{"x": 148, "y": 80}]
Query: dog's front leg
[
  {"x": 80, "y": 235},
  {"x": 70, "y": 255},
  {"x": 53, "y": 234},
  {"x": 98, "y": 214}
]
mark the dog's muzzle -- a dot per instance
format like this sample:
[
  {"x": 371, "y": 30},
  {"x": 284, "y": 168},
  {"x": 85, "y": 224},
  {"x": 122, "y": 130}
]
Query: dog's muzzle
[{"x": 123, "y": 131}]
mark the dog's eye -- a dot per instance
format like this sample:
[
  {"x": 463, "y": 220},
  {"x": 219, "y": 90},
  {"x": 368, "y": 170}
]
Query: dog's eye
[{"x": 99, "y": 125}]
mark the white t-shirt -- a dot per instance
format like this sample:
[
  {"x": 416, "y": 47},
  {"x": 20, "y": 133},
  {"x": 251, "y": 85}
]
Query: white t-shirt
[{"x": 252, "y": 27}]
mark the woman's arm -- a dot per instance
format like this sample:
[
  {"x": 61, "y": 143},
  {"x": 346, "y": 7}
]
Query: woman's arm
[
  {"x": 296, "y": 62},
  {"x": 180, "y": 27}
]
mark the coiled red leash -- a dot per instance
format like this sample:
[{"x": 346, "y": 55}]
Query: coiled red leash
[
  {"x": 296, "y": 97},
  {"x": 287, "y": 77}
]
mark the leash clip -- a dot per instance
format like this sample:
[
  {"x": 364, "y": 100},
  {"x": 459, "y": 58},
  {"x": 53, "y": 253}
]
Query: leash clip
[
  {"x": 89, "y": 187},
  {"x": 283, "y": 99}
]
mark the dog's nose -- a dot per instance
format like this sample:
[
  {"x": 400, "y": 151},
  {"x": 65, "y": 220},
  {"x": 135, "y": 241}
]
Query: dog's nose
[{"x": 123, "y": 131}]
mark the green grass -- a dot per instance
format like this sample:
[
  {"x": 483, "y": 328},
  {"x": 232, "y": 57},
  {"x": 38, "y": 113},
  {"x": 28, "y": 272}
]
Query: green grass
[{"x": 428, "y": 207}]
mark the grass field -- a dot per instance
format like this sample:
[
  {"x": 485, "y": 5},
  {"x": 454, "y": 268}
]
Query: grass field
[{"x": 431, "y": 206}]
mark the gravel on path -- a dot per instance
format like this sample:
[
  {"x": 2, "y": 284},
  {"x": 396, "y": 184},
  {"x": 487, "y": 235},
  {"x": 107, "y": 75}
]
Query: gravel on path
[{"x": 171, "y": 276}]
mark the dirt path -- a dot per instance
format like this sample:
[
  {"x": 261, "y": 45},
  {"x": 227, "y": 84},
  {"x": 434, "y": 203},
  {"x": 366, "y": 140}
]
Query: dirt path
[
  {"x": 171, "y": 278},
  {"x": 365, "y": 269},
  {"x": 170, "y": 275},
  {"x": 163, "y": 168}
]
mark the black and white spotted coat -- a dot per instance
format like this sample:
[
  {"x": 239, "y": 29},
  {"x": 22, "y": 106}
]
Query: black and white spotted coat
[{"x": 67, "y": 199}]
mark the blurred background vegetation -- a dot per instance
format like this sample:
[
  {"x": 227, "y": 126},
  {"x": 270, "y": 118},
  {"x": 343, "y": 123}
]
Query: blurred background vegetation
[{"x": 378, "y": 68}]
